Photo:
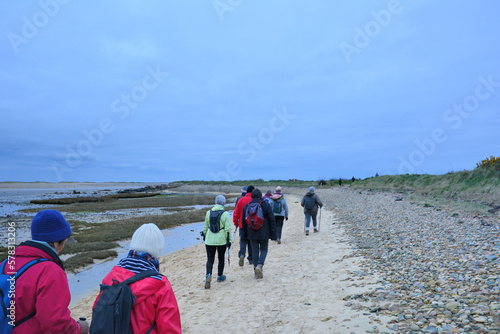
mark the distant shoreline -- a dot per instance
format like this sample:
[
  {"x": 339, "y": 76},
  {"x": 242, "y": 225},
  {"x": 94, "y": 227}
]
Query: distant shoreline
[{"x": 54, "y": 185}]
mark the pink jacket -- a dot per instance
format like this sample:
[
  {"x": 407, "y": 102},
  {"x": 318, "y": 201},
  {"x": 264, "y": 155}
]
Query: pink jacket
[
  {"x": 44, "y": 288},
  {"x": 155, "y": 302}
]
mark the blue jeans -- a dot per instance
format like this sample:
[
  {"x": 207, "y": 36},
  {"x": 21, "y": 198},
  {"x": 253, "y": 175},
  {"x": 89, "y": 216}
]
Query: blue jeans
[
  {"x": 259, "y": 249},
  {"x": 308, "y": 219},
  {"x": 243, "y": 247},
  {"x": 279, "y": 225}
]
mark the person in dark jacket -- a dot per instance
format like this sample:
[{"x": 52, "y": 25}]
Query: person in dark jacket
[
  {"x": 243, "y": 193},
  {"x": 42, "y": 293},
  {"x": 259, "y": 239},
  {"x": 311, "y": 213}
]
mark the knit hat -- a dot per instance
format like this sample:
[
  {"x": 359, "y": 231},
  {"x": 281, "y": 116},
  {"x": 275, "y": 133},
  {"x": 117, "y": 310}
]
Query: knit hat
[
  {"x": 250, "y": 189},
  {"x": 50, "y": 226},
  {"x": 244, "y": 189},
  {"x": 256, "y": 193},
  {"x": 278, "y": 189},
  {"x": 148, "y": 238},
  {"x": 311, "y": 189}
]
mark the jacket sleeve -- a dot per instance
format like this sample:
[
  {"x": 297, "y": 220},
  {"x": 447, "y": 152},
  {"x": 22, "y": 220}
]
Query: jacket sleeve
[
  {"x": 318, "y": 200},
  {"x": 207, "y": 223},
  {"x": 53, "y": 300},
  {"x": 237, "y": 213},
  {"x": 271, "y": 221},
  {"x": 227, "y": 225},
  {"x": 285, "y": 206},
  {"x": 168, "y": 318},
  {"x": 302, "y": 203},
  {"x": 244, "y": 233}
]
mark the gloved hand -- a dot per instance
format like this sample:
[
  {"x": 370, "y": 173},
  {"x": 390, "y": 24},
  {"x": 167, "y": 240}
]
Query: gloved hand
[
  {"x": 286, "y": 217},
  {"x": 228, "y": 245},
  {"x": 202, "y": 235}
]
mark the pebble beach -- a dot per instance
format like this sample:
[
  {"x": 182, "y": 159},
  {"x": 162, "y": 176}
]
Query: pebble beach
[{"x": 438, "y": 266}]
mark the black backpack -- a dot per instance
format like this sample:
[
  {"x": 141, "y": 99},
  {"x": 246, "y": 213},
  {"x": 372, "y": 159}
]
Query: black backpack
[
  {"x": 111, "y": 314},
  {"x": 309, "y": 202},
  {"x": 215, "y": 220}
]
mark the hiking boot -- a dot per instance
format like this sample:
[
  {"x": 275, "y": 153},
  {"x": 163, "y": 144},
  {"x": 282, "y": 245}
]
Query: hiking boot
[
  {"x": 258, "y": 271},
  {"x": 208, "y": 280},
  {"x": 255, "y": 274},
  {"x": 221, "y": 278},
  {"x": 278, "y": 241},
  {"x": 316, "y": 230},
  {"x": 242, "y": 260},
  {"x": 307, "y": 232}
]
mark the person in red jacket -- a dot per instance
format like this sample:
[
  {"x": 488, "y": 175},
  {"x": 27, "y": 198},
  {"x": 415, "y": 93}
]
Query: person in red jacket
[
  {"x": 238, "y": 212},
  {"x": 156, "y": 305},
  {"x": 42, "y": 293}
]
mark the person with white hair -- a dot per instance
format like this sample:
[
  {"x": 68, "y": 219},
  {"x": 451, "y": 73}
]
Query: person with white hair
[
  {"x": 310, "y": 202},
  {"x": 155, "y": 309},
  {"x": 217, "y": 236}
]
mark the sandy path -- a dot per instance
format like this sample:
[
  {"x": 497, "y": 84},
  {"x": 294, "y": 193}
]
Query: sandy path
[{"x": 305, "y": 281}]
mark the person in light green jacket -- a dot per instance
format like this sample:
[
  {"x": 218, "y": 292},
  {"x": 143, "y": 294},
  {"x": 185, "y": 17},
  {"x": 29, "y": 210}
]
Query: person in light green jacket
[{"x": 217, "y": 236}]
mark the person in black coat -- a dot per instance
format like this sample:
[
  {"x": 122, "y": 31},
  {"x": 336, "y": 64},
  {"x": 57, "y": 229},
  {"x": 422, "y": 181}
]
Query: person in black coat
[{"x": 259, "y": 239}]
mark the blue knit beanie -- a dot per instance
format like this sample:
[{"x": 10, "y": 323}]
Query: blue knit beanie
[
  {"x": 49, "y": 226},
  {"x": 311, "y": 189}
]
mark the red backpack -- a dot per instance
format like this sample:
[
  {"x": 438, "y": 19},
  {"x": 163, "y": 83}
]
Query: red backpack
[{"x": 254, "y": 215}]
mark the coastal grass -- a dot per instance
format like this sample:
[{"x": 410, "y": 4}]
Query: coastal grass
[
  {"x": 81, "y": 260},
  {"x": 479, "y": 187},
  {"x": 87, "y": 199},
  {"x": 168, "y": 201},
  {"x": 123, "y": 229}
]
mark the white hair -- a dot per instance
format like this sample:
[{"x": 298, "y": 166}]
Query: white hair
[{"x": 221, "y": 200}]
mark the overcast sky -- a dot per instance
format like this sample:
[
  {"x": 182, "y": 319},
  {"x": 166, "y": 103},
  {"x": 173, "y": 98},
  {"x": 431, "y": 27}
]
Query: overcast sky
[{"x": 238, "y": 89}]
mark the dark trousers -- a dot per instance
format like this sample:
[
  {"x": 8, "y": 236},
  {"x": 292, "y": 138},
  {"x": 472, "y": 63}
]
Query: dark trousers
[
  {"x": 279, "y": 225},
  {"x": 243, "y": 245},
  {"x": 211, "y": 258},
  {"x": 259, "y": 250}
]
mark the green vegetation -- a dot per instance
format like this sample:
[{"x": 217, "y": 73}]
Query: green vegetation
[
  {"x": 483, "y": 182},
  {"x": 158, "y": 201},
  {"x": 477, "y": 190},
  {"x": 87, "y": 199}
]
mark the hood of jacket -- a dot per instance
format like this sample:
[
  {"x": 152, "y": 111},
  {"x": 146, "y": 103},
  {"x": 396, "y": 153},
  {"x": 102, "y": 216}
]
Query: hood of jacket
[
  {"x": 30, "y": 249},
  {"x": 310, "y": 193},
  {"x": 142, "y": 289},
  {"x": 276, "y": 197}
]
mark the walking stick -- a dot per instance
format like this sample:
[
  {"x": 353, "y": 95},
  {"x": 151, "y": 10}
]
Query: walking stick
[{"x": 319, "y": 221}]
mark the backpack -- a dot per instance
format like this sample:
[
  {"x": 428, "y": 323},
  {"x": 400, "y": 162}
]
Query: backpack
[
  {"x": 277, "y": 208},
  {"x": 111, "y": 313},
  {"x": 7, "y": 292},
  {"x": 309, "y": 202},
  {"x": 215, "y": 220},
  {"x": 254, "y": 215}
]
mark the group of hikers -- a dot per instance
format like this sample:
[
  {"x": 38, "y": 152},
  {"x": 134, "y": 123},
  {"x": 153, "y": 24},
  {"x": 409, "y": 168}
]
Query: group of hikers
[
  {"x": 259, "y": 219},
  {"x": 134, "y": 296}
]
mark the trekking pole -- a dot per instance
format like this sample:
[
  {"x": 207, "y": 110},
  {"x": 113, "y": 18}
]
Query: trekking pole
[{"x": 319, "y": 221}]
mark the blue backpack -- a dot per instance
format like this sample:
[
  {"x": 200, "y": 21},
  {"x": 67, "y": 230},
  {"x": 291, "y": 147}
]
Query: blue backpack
[{"x": 7, "y": 291}]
